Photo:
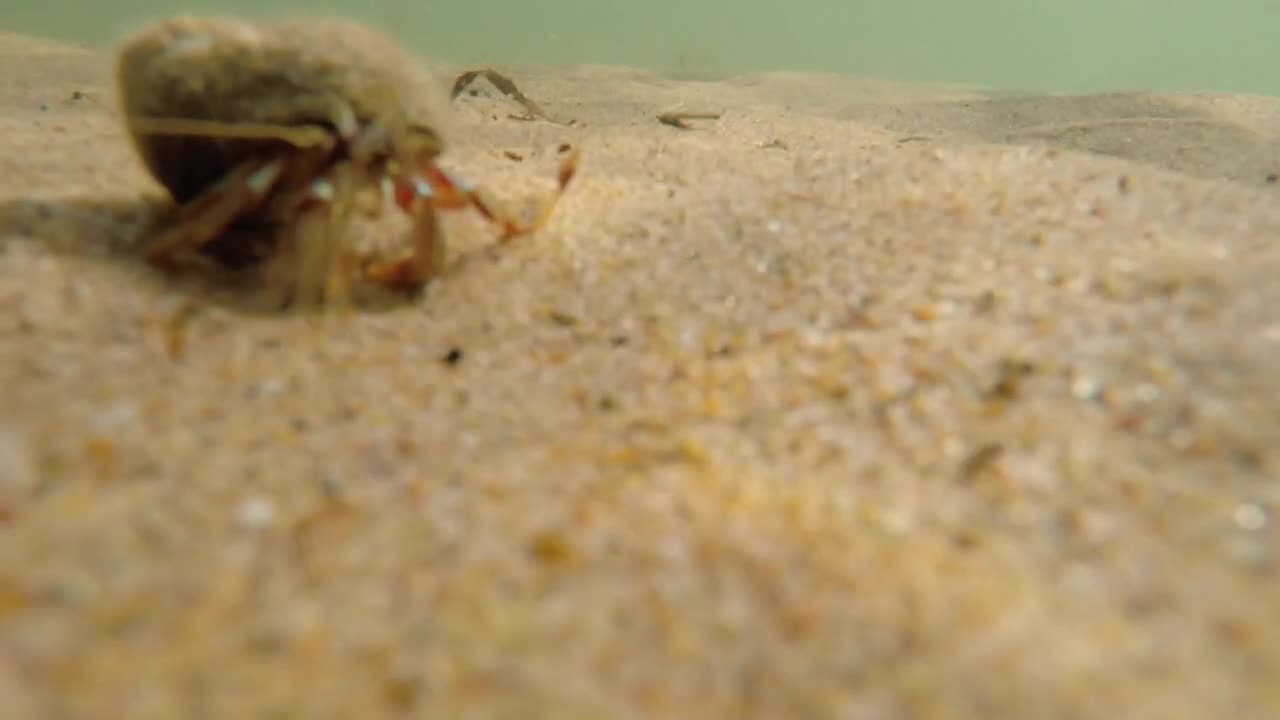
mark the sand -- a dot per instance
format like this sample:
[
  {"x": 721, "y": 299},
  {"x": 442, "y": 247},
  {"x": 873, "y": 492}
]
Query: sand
[{"x": 866, "y": 400}]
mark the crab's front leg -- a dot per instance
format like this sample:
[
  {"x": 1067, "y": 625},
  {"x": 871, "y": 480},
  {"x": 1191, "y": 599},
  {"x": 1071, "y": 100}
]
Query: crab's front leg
[
  {"x": 205, "y": 217},
  {"x": 311, "y": 262},
  {"x": 454, "y": 193},
  {"x": 430, "y": 189},
  {"x": 428, "y": 255}
]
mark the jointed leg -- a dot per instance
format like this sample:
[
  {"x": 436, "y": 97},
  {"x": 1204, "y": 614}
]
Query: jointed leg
[
  {"x": 242, "y": 190},
  {"x": 449, "y": 193},
  {"x": 427, "y": 258},
  {"x": 433, "y": 189},
  {"x": 208, "y": 215},
  {"x": 310, "y": 264}
]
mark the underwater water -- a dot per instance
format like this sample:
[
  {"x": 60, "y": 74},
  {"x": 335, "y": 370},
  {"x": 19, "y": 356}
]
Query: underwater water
[{"x": 1046, "y": 45}]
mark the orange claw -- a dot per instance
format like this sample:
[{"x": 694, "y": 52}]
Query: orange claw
[{"x": 421, "y": 195}]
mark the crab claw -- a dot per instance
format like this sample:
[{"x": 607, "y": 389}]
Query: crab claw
[
  {"x": 421, "y": 193},
  {"x": 451, "y": 192}
]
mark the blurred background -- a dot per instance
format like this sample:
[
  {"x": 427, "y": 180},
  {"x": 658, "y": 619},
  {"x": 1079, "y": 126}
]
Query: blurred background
[{"x": 1049, "y": 45}]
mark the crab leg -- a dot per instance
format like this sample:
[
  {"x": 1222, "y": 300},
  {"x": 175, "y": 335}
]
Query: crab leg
[
  {"x": 310, "y": 263},
  {"x": 200, "y": 221},
  {"x": 428, "y": 256},
  {"x": 454, "y": 193},
  {"x": 421, "y": 195}
]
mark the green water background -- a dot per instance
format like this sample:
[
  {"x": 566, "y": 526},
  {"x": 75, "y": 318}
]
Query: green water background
[{"x": 1045, "y": 45}]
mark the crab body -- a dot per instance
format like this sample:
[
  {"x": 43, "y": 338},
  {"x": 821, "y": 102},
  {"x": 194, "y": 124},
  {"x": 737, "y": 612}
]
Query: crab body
[{"x": 272, "y": 131}]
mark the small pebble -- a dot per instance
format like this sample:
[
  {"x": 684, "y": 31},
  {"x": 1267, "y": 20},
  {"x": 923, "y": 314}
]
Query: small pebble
[
  {"x": 1249, "y": 516},
  {"x": 551, "y": 548},
  {"x": 1084, "y": 388},
  {"x": 256, "y": 513},
  {"x": 267, "y": 388}
]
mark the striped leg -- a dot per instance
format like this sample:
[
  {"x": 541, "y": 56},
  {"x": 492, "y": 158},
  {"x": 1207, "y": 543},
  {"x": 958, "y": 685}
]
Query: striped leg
[{"x": 205, "y": 217}]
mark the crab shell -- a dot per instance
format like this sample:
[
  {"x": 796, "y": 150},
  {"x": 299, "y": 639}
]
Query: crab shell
[
  {"x": 321, "y": 72},
  {"x": 278, "y": 126}
]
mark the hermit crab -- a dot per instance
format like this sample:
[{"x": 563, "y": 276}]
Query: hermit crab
[{"x": 270, "y": 136}]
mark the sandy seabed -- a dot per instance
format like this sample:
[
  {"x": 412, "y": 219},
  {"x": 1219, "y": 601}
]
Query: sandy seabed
[{"x": 866, "y": 400}]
